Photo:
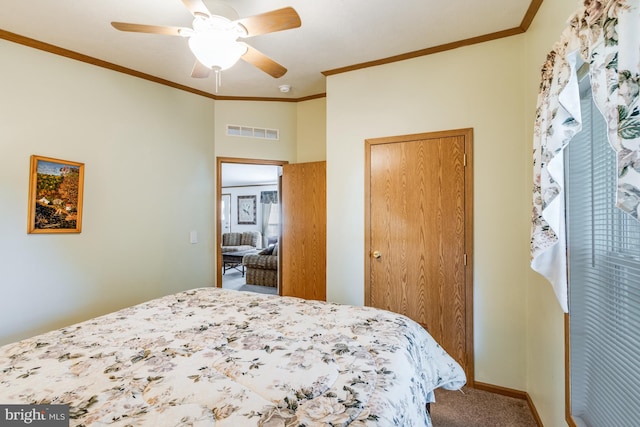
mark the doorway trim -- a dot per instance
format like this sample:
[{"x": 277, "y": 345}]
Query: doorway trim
[{"x": 219, "y": 162}]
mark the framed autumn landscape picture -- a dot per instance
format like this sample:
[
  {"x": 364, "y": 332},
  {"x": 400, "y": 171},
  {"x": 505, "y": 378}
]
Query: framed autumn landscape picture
[{"x": 55, "y": 196}]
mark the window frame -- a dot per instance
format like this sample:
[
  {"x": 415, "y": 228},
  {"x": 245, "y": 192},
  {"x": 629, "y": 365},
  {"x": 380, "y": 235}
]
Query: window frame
[{"x": 618, "y": 255}]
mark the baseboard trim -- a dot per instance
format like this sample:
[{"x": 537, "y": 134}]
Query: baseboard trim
[
  {"x": 534, "y": 411},
  {"x": 510, "y": 392}
]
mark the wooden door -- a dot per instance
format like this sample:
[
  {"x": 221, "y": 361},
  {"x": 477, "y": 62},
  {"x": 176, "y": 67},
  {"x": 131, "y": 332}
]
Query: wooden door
[
  {"x": 303, "y": 250},
  {"x": 419, "y": 234}
]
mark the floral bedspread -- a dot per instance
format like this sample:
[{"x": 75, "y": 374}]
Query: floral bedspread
[{"x": 214, "y": 357}]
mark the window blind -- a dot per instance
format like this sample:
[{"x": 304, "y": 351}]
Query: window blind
[{"x": 604, "y": 281}]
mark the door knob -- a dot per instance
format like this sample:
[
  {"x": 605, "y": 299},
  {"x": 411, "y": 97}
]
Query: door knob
[{"x": 376, "y": 254}]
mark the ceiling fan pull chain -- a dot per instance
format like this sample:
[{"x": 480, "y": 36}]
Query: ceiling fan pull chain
[{"x": 218, "y": 77}]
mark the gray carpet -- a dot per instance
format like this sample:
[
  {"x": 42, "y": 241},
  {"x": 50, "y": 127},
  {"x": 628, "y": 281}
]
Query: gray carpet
[
  {"x": 233, "y": 279},
  {"x": 477, "y": 408}
]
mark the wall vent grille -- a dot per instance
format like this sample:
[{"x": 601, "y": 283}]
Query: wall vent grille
[{"x": 252, "y": 132}]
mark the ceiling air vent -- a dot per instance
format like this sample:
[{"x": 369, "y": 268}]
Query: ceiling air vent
[{"x": 251, "y": 132}]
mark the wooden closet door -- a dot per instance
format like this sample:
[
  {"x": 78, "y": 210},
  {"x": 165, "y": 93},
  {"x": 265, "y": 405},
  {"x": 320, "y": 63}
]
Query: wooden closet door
[
  {"x": 419, "y": 235},
  {"x": 303, "y": 250}
]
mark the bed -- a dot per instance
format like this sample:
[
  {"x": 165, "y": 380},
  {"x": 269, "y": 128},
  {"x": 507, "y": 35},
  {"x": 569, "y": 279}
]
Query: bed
[{"x": 216, "y": 357}]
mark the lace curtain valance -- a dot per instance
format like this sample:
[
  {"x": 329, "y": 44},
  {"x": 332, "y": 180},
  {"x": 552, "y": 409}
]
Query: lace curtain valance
[{"x": 605, "y": 35}]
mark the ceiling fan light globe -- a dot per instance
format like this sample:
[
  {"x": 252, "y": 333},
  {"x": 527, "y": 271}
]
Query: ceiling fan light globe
[{"x": 216, "y": 52}]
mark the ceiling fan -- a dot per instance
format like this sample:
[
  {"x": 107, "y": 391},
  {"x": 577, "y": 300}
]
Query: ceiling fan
[{"x": 214, "y": 38}]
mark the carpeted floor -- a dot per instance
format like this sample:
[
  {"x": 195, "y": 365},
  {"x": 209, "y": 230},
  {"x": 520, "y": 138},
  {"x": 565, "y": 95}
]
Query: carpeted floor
[
  {"x": 477, "y": 408},
  {"x": 233, "y": 279}
]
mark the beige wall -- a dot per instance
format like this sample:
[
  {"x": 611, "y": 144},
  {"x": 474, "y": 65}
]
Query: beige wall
[
  {"x": 150, "y": 157},
  {"x": 261, "y": 114},
  {"x": 302, "y": 130},
  {"x": 545, "y": 333},
  {"x": 312, "y": 131},
  {"x": 148, "y": 151},
  {"x": 479, "y": 87},
  {"x": 492, "y": 88}
]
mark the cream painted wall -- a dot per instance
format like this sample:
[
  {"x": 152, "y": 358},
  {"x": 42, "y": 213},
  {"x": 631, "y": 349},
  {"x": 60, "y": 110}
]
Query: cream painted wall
[
  {"x": 479, "y": 87},
  {"x": 491, "y": 87},
  {"x": 261, "y": 114},
  {"x": 302, "y": 130},
  {"x": 545, "y": 321},
  {"x": 312, "y": 130},
  {"x": 134, "y": 245},
  {"x": 148, "y": 151}
]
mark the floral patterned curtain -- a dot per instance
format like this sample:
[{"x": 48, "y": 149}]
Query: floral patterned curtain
[
  {"x": 269, "y": 197},
  {"x": 606, "y": 35}
]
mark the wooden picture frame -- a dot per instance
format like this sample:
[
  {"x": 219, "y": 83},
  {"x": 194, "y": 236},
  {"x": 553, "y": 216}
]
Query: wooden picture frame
[
  {"x": 55, "y": 195},
  {"x": 247, "y": 206}
]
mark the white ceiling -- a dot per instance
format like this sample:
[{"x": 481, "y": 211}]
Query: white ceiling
[
  {"x": 240, "y": 174},
  {"x": 334, "y": 34}
]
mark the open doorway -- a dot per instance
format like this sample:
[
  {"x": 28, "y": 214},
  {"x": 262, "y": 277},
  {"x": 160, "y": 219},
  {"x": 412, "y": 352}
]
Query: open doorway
[{"x": 248, "y": 226}]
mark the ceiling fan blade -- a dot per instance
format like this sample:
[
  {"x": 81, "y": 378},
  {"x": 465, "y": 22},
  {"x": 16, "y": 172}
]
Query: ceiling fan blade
[
  {"x": 197, "y": 7},
  {"x": 263, "y": 62},
  {"x": 200, "y": 71},
  {"x": 270, "y": 22},
  {"x": 151, "y": 29}
]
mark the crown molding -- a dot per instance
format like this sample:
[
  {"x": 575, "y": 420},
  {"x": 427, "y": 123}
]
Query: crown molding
[{"x": 522, "y": 28}]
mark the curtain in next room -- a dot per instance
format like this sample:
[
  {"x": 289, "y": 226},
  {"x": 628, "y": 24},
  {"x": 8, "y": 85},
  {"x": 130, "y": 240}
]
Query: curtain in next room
[{"x": 267, "y": 199}]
